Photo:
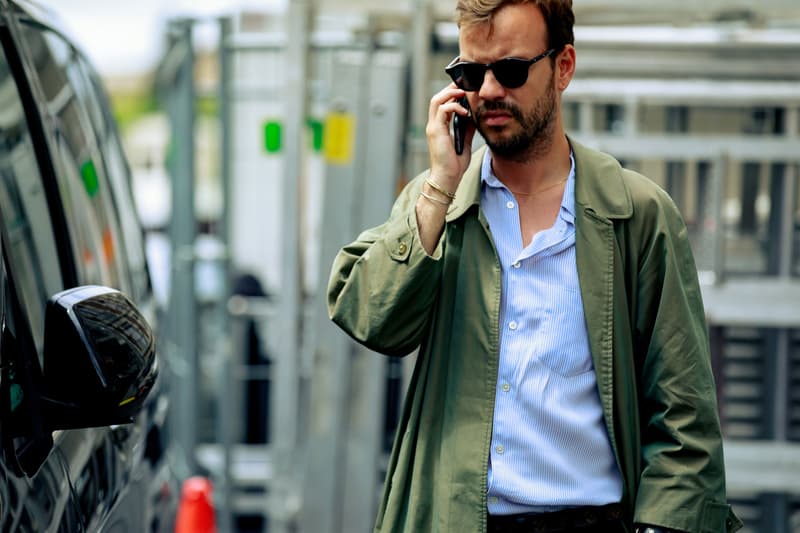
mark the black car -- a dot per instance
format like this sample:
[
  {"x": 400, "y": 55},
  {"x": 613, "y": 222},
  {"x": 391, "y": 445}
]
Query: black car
[{"x": 82, "y": 408}]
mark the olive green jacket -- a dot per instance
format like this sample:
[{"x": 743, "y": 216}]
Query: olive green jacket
[{"x": 647, "y": 331}]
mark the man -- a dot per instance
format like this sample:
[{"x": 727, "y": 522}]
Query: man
[{"x": 563, "y": 380}]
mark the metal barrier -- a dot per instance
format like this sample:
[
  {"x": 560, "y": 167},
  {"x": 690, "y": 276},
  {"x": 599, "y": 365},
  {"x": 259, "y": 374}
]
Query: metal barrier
[{"x": 314, "y": 374}]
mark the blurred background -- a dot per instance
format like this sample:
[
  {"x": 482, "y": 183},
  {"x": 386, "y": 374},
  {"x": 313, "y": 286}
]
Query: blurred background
[{"x": 265, "y": 135}]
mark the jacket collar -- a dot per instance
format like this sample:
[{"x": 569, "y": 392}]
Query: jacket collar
[{"x": 598, "y": 185}]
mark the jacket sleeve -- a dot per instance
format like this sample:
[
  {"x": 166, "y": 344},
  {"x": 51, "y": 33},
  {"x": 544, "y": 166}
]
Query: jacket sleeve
[
  {"x": 383, "y": 285},
  {"x": 682, "y": 485}
]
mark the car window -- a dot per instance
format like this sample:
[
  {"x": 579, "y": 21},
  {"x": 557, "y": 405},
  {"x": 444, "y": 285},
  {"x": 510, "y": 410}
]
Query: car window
[
  {"x": 24, "y": 209},
  {"x": 119, "y": 175},
  {"x": 80, "y": 167}
]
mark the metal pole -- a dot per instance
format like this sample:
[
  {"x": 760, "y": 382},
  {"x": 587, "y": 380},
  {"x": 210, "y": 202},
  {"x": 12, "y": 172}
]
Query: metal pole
[
  {"x": 329, "y": 396},
  {"x": 783, "y": 353},
  {"x": 677, "y": 122},
  {"x": 631, "y": 115},
  {"x": 779, "y": 376},
  {"x": 183, "y": 310},
  {"x": 226, "y": 351},
  {"x": 586, "y": 113},
  {"x": 420, "y": 91},
  {"x": 284, "y": 415},
  {"x": 792, "y": 122},
  {"x": 719, "y": 169},
  {"x": 790, "y": 185}
]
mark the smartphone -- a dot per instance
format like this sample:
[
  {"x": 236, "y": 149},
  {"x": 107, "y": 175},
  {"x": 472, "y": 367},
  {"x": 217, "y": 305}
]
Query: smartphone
[{"x": 460, "y": 127}]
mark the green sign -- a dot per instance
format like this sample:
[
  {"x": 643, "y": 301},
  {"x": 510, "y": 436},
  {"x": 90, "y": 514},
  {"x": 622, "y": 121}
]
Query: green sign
[
  {"x": 272, "y": 137},
  {"x": 90, "y": 180},
  {"x": 317, "y": 134}
]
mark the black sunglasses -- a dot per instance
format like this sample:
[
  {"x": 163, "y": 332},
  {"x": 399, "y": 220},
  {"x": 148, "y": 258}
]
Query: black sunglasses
[{"x": 510, "y": 72}]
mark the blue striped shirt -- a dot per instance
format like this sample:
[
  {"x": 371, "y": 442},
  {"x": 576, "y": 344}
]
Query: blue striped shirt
[{"x": 550, "y": 448}]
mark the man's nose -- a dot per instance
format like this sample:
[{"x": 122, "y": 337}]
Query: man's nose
[{"x": 491, "y": 89}]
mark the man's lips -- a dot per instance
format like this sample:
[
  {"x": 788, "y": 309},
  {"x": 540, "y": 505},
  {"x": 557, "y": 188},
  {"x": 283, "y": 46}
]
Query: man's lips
[{"x": 495, "y": 118}]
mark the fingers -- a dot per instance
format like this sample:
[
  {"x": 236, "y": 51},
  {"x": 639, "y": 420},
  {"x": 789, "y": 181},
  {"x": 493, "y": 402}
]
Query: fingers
[
  {"x": 440, "y": 113},
  {"x": 444, "y": 104},
  {"x": 445, "y": 162}
]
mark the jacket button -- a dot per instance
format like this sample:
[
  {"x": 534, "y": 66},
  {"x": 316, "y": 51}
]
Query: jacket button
[{"x": 402, "y": 248}]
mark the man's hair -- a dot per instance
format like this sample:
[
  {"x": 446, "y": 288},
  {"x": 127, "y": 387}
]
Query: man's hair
[{"x": 558, "y": 17}]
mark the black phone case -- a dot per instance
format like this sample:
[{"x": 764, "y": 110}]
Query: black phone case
[{"x": 460, "y": 128}]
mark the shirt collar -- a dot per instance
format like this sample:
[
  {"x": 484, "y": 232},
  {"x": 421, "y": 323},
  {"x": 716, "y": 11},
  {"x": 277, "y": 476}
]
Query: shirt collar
[{"x": 488, "y": 179}]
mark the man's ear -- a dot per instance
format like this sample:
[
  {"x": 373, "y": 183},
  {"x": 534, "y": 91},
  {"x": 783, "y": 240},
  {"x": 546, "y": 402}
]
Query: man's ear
[{"x": 565, "y": 67}]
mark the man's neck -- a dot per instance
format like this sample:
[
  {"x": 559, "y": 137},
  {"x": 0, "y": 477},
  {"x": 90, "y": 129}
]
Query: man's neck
[{"x": 536, "y": 172}]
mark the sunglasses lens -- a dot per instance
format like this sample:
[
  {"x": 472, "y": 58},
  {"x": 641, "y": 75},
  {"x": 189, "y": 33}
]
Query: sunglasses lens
[
  {"x": 511, "y": 73},
  {"x": 467, "y": 76},
  {"x": 472, "y": 76},
  {"x": 457, "y": 75}
]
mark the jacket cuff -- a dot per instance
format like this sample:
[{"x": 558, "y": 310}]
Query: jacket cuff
[
  {"x": 411, "y": 235},
  {"x": 714, "y": 517}
]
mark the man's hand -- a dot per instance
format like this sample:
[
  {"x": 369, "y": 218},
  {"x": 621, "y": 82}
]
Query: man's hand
[{"x": 446, "y": 166}]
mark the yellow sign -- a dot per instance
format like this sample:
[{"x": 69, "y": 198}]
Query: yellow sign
[{"x": 340, "y": 130}]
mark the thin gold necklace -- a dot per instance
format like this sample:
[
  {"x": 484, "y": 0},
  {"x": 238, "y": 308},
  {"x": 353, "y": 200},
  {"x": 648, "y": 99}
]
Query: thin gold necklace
[{"x": 540, "y": 191}]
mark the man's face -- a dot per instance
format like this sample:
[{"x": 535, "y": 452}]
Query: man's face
[
  {"x": 529, "y": 127},
  {"x": 516, "y": 123}
]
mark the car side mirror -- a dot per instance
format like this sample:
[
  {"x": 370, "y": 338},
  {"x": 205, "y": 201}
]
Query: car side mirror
[{"x": 99, "y": 359}]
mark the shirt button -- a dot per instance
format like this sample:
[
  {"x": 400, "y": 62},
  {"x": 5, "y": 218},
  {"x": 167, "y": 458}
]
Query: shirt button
[
  {"x": 517, "y": 265},
  {"x": 512, "y": 325},
  {"x": 402, "y": 248},
  {"x": 510, "y": 205},
  {"x": 499, "y": 449},
  {"x": 506, "y": 387}
]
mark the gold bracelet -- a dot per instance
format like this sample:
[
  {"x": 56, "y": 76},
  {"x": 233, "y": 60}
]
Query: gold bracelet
[
  {"x": 433, "y": 199},
  {"x": 435, "y": 186}
]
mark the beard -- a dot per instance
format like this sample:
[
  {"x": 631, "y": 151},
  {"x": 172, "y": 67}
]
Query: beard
[{"x": 535, "y": 127}]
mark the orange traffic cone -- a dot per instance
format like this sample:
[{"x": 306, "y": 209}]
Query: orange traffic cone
[{"x": 195, "y": 511}]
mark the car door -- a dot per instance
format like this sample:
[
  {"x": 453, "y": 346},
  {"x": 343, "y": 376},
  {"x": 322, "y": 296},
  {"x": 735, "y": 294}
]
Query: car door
[
  {"x": 29, "y": 272},
  {"x": 93, "y": 182},
  {"x": 60, "y": 230}
]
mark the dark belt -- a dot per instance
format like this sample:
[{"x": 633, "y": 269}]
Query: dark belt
[{"x": 558, "y": 521}]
